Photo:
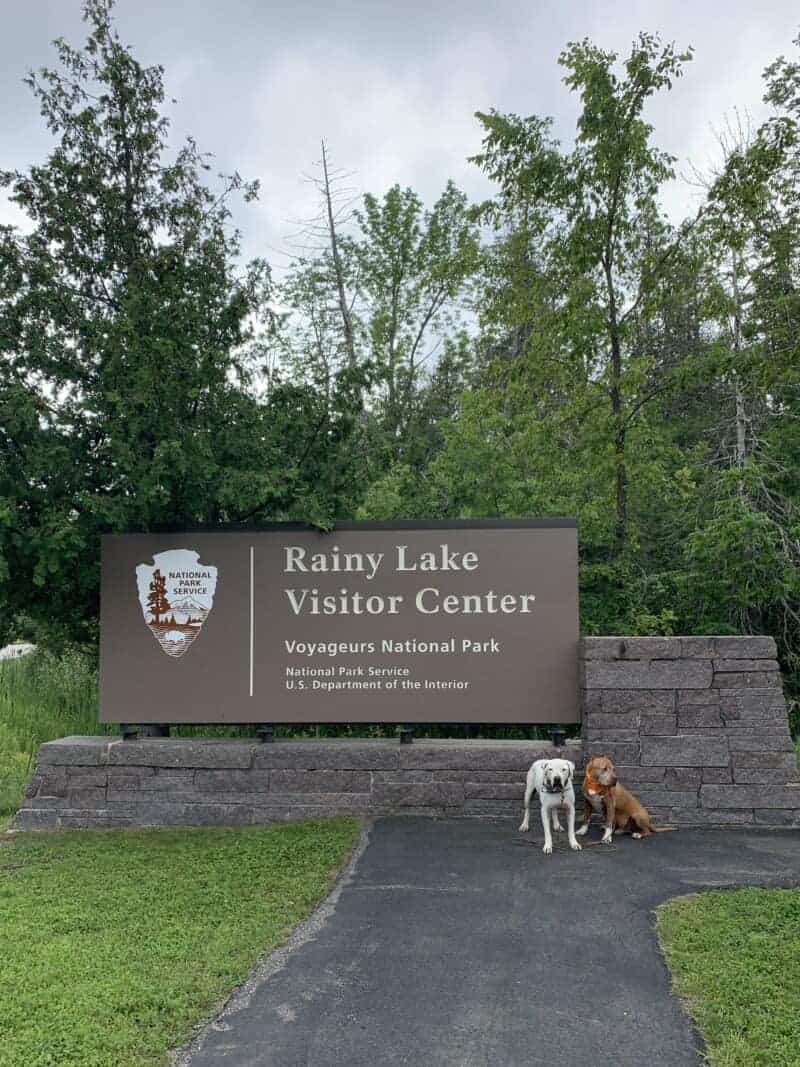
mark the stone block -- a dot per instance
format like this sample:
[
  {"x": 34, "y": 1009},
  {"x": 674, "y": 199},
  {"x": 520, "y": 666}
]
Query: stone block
[
  {"x": 705, "y": 817},
  {"x": 90, "y": 797},
  {"x": 737, "y": 666},
  {"x": 182, "y": 753},
  {"x": 747, "y": 680},
  {"x": 416, "y": 776},
  {"x": 630, "y": 775},
  {"x": 773, "y": 718},
  {"x": 440, "y": 794},
  {"x": 184, "y": 779},
  {"x": 649, "y": 674},
  {"x": 749, "y": 796},
  {"x": 354, "y": 802},
  {"x": 601, "y": 648},
  {"x": 698, "y": 716},
  {"x": 745, "y": 647},
  {"x": 640, "y": 701},
  {"x": 683, "y": 778},
  {"x": 777, "y": 817},
  {"x": 756, "y": 775},
  {"x": 703, "y": 697},
  {"x": 658, "y": 724},
  {"x": 465, "y": 755},
  {"x": 717, "y": 775},
  {"x": 494, "y": 791},
  {"x": 129, "y": 770},
  {"x": 750, "y": 700},
  {"x": 84, "y": 751},
  {"x": 621, "y": 752},
  {"x": 87, "y": 780},
  {"x": 643, "y": 648},
  {"x": 329, "y": 755},
  {"x": 49, "y": 785},
  {"x": 514, "y": 777},
  {"x": 686, "y": 750},
  {"x": 770, "y": 739},
  {"x": 95, "y": 820},
  {"x": 602, "y": 720},
  {"x": 652, "y": 796},
  {"x": 497, "y": 809},
  {"x": 782, "y": 761},
  {"x": 224, "y": 781},
  {"x": 698, "y": 647},
  {"x": 319, "y": 781},
  {"x": 35, "y": 819}
]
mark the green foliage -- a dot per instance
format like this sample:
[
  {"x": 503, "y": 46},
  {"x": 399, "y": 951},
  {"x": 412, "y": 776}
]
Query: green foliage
[
  {"x": 42, "y": 697},
  {"x": 561, "y": 349},
  {"x": 735, "y": 962},
  {"x": 113, "y": 945}
]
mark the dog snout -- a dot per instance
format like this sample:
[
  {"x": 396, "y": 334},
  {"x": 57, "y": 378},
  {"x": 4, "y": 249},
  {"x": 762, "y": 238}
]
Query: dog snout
[
  {"x": 613, "y": 780},
  {"x": 557, "y": 781}
]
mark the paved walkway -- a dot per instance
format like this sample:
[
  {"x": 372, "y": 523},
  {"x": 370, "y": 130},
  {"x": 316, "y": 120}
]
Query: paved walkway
[{"x": 458, "y": 944}]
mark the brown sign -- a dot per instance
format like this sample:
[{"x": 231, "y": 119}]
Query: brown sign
[{"x": 452, "y": 622}]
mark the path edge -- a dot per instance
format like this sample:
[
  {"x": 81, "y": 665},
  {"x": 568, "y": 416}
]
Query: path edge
[{"x": 273, "y": 962}]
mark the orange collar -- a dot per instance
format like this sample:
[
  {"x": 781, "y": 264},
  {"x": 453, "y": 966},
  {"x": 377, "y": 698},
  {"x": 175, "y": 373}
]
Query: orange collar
[{"x": 593, "y": 788}]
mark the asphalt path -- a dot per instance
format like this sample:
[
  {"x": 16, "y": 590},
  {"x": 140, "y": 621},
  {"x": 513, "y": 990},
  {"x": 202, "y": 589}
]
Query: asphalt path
[{"x": 457, "y": 943}]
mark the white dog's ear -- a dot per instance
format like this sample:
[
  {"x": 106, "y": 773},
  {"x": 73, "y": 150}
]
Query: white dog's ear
[{"x": 571, "y": 766}]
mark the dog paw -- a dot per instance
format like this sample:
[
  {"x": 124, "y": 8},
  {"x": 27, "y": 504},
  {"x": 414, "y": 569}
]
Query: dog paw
[
  {"x": 636, "y": 836},
  {"x": 575, "y": 846},
  {"x": 606, "y": 839},
  {"x": 547, "y": 849},
  {"x": 523, "y": 826},
  {"x": 582, "y": 830}
]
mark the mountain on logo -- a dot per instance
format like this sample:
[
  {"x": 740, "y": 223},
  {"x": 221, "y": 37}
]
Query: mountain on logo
[{"x": 188, "y": 606}]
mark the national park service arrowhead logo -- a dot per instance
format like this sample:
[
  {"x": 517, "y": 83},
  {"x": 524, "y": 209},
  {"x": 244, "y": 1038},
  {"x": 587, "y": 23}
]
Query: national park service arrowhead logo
[{"x": 177, "y": 595}]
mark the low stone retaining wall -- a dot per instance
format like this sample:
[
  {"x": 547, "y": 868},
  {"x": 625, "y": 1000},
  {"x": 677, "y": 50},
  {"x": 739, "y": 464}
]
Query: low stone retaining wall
[
  {"x": 99, "y": 782},
  {"x": 696, "y": 725}
]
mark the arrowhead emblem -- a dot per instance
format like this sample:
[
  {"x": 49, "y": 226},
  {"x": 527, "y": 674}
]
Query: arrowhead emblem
[{"x": 176, "y": 594}]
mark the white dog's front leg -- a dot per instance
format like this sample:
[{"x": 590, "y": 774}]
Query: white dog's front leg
[
  {"x": 556, "y": 823},
  {"x": 573, "y": 841},
  {"x": 526, "y": 821},
  {"x": 548, "y": 837}
]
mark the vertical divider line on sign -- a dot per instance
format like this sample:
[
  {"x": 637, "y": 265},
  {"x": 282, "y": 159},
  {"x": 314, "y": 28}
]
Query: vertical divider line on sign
[{"x": 252, "y": 568}]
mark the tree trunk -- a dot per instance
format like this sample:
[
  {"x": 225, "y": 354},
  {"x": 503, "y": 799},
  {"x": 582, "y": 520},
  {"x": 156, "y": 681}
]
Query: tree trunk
[{"x": 347, "y": 322}]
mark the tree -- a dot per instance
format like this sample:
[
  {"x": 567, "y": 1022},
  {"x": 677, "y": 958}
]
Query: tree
[
  {"x": 585, "y": 250},
  {"x": 123, "y": 317},
  {"x": 157, "y": 597}
]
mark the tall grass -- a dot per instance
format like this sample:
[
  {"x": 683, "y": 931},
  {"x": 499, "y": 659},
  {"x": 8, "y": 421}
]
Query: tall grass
[{"x": 42, "y": 697}]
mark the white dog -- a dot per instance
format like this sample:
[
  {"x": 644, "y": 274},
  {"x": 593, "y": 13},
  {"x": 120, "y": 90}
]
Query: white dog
[{"x": 552, "y": 780}]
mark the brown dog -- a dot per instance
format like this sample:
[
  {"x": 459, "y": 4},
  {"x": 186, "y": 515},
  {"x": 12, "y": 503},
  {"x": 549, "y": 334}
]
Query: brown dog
[{"x": 603, "y": 794}]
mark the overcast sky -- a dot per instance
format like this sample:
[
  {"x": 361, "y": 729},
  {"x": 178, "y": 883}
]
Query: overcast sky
[{"x": 392, "y": 87}]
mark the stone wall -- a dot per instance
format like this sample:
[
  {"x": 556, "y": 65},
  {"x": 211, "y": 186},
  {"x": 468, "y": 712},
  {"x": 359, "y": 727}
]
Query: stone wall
[
  {"x": 697, "y": 727},
  {"x": 100, "y": 782}
]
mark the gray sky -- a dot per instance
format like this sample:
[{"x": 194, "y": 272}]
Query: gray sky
[{"x": 392, "y": 87}]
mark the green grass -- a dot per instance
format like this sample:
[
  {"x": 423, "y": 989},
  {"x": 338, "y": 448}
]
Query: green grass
[
  {"x": 113, "y": 944},
  {"x": 735, "y": 961},
  {"x": 42, "y": 697}
]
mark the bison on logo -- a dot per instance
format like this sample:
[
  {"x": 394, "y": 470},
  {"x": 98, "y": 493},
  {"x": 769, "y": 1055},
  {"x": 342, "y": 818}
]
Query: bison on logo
[{"x": 177, "y": 595}]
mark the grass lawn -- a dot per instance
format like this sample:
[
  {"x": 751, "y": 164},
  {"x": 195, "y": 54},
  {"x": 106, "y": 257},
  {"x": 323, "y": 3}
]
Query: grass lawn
[
  {"x": 735, "y": 961},
  {"x": 112, "y": 944}
]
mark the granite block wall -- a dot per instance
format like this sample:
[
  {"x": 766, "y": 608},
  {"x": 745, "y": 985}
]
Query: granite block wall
[{"x": 697, "y": 726}]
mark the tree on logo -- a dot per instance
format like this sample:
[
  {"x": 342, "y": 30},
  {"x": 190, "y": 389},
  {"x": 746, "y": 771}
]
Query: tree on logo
[{"x": 157, "y": 599}]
